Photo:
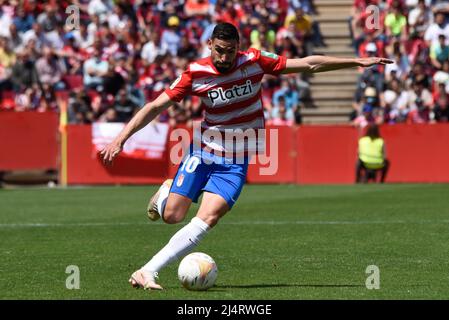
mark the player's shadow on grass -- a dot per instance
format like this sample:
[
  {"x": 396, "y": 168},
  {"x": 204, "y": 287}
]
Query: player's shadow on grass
[{"x": 283, "y": 285}]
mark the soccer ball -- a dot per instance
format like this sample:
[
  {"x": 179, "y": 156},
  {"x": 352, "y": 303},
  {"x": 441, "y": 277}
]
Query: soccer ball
[{"x": 197, "y": 271}]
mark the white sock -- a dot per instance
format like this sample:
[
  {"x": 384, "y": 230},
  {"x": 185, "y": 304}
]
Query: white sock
[
  {"x": 179, "y": 245},
  {"x": 162, "y": 200}
]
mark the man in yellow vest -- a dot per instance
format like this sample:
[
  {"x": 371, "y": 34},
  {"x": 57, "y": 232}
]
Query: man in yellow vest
[{"x": 372, "y": 156}]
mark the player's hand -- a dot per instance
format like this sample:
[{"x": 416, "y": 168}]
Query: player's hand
[
  {"x": 368, "y": 62},
  {"x": 111, "y": 151}
]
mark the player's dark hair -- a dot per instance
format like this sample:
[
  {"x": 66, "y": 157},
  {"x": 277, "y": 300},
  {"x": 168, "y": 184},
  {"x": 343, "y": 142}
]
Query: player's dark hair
[{"x": 225, "y": 31}]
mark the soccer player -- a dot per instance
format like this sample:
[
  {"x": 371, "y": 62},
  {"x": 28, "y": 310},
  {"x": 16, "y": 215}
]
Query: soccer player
[{"x": 229, "y": 85}]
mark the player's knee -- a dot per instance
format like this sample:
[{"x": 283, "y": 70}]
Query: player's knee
[
  {"x": 210, "y": 219},
  {"x": 173, "y": 219},
  {"x": 172, "y": 215}
]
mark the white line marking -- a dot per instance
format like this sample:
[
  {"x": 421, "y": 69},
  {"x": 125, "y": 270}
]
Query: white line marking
[{"x": 297, "y": 222}]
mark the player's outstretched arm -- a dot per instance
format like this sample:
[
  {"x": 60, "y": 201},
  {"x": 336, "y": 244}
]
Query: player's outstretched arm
[
  {"x": 140, "y": 120},
  {"x": 314, "y": 64}
]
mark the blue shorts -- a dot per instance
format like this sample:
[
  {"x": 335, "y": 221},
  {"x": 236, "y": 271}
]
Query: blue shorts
[{"x": 202, "y": 171}]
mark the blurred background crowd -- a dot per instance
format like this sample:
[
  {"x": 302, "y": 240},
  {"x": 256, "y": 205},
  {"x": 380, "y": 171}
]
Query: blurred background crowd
[
  {"x": 122, "y": 54},
  {"x": 414, "y": 33}
]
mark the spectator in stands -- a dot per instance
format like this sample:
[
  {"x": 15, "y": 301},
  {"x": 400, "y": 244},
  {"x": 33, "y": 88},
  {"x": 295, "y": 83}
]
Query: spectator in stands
[
  {"x": 180, "y": 113},
  {"x": 50, "y": 69},
  {"x": 100, "y": 8},
  {"x": 303, "y": 25},
  {"x": 94, "y": 70},
  {"x": 79, "y": 109},
  {"x": 420, "y": 17},
  {"x": 439, "y": 52},
  {"x": 93, "y": 27},
  {"x": 118, "y": 19},
  {"x": 371, "y": 48},
  {"x": 441, "y": 109},
  {"x": 27, "y": 100},
  {"x": 441, "y": 81},
  {"x": 261, "y": 34},
  {"x": 48, "y": 101},
  {"x": 367, "y": 111},
  {"x": 110, "y": 115},
  {"x": 307, "y": 5},
  {"x": 371, "y": 77},
  {"x": 396, "y": 23},
  {"x": 389, "y": 98},
  {"x": 72, "y": 55},
  {"x": 151, "y": 49},
  {"x": 289, "y": 97},
  {"x": 124, "y": 107},
  {"x": 357, "y": 22},
  {"x": 116, "y": 76},
  {"x": 24, "y": 73},
  {"x": 420, "y": 103},
  {"x": 37, "y": 35},
  {"x": 187, "y": 50},
  {"x": 5, "y": 19},
  {"x": 194, "y": 8},
  {"x": 394, "y": 103},
  {"x": 232, "y": 14},
  {"x": 55, "y": 38},
  {"x": 211, "y": 22},
  {"x": 50, "y": 18},
  {"x": 372, "y": 156},
  {"x": 133, "y": 57},
  {"x": 7, "y": 60},
  {"x": 15, "y": 38},
  {"x": 171, "y": 38},
  {"x": 401, "y": 68},
  {"x": 436, "y": 29},
  {"x": 101, "y": 103},
  {"x": 82, "y": 37},
  {"x": 420, "y": 73},
  {"x": 280, "y": 117},
  {"x": 23, "y": 21},
  {"x": 289, "y": 42}
]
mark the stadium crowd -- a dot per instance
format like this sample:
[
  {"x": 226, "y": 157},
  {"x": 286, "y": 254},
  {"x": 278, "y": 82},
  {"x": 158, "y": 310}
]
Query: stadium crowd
[
  {"x": 120, "y": 54},
  {"x": 414, "y": 33}
]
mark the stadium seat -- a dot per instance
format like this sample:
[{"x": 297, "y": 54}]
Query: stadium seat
[
  {"x": 7, "y": 104},
  {"x": 73, "y": 81},
  {"x": 8, "y": 95},
  {"x": 93, "y": 94},
  {"x": 63, "y": 94},
  {"x": 7, "y": 100}
]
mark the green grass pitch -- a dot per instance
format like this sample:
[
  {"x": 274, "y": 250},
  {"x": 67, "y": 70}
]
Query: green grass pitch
[{"x": 279, "y": 242}]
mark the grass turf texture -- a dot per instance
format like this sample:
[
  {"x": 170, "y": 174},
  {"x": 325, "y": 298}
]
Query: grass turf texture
[{"x": 279, "y": 242}]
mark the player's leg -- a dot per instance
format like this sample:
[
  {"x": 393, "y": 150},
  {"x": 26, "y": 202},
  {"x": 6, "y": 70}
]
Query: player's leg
[
  {"x": 172, "y": 203},
  {"x": 213, "y": 208},
  {"x": 173, "y": 199},
  {"x": 172, "y": 207},
  {"x": 222, "y": 189}
]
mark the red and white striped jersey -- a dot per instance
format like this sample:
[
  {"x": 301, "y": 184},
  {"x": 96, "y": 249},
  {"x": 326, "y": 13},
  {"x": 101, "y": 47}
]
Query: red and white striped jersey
[{"x": 231, "y": 100}]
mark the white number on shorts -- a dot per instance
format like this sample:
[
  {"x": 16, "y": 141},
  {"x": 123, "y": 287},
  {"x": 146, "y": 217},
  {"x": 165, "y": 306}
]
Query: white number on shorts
[{"x": 190, "y": 164}]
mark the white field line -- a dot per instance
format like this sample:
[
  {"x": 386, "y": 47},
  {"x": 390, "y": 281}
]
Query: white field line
[{"x": 292, "y": 222}]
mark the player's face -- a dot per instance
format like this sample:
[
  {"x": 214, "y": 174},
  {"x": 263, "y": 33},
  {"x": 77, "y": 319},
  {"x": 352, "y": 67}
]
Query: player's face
[{"x": 223, "y": 53}]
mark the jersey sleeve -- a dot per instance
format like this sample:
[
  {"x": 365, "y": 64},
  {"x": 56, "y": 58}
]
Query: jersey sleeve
[
  {"x": 271, "y": 63},
  {"x": 181, "y": 87}
]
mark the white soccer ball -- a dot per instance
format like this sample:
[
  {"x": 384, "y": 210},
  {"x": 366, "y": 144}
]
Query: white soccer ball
[{"x": 197, "y": 271}]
